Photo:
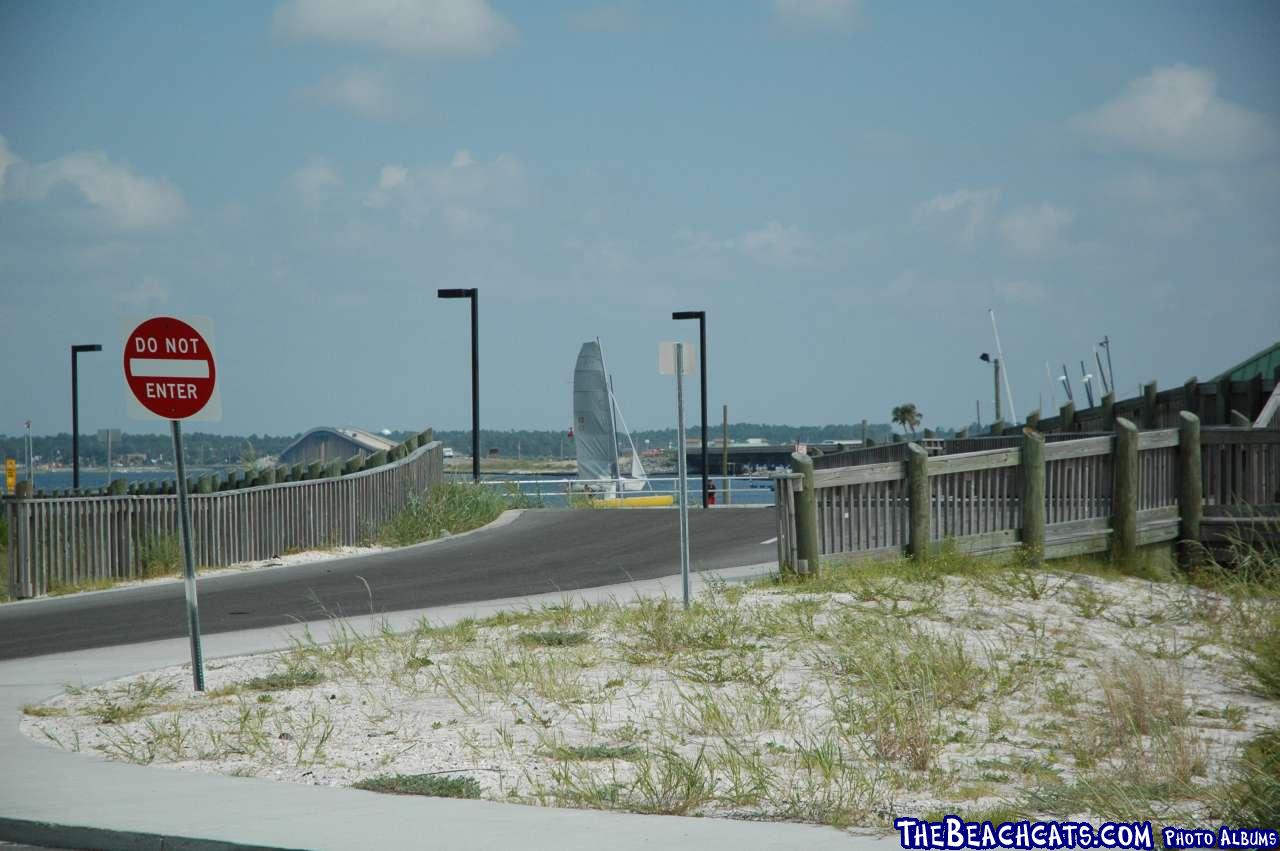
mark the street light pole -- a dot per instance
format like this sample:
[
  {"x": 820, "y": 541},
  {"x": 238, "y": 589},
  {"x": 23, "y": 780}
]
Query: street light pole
[
  {"x": 1111, "y": 374},
  {"x": 701, "y": 316},
  {"x": 995, "y": 364},
  {"x": 31, "y": 465},
  {"x": 473, "y": 294},
  {"x": 75, "y": 411}
]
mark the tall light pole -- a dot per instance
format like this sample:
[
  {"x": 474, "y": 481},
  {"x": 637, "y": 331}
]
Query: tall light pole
[
  {"x": 31, "y": 465},
  {"x": 75, "y": 411},
  {"x": 701, "y": 316},
  {"x": 995, "y": 363},
  {"x": 474, "y": 295},
  {"x": 1111, "y": 374}
]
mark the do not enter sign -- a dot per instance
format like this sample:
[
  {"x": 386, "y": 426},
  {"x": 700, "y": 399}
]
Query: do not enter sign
[{"x": 168, "y": 366}]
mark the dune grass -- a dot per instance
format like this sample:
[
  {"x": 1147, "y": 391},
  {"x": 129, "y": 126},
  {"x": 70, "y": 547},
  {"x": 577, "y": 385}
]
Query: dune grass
[{"x": 956, "y": 684}]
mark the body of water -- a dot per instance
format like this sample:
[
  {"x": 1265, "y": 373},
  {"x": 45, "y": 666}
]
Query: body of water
[
  {"x": 553, "y": 488},
  {"x": 55, "y": 480}
]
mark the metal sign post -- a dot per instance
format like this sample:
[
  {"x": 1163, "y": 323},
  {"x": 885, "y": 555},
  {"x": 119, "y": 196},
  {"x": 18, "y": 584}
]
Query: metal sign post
[
  {"x": 188, "y": 560},
  {"x": 671, "y": 358},
  {"x": 169, "y": 367}
]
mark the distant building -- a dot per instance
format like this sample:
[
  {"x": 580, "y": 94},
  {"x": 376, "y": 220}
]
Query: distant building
[{"x": 333, "y": 444}]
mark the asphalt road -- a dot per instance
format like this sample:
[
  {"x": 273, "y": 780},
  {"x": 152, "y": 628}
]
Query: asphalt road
[{"x": 543, "y": 550}]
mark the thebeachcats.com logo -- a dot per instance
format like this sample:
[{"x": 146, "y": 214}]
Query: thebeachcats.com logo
[{"x": 954, "y": 832}]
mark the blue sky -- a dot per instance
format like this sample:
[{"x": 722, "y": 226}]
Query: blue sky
[{"x": 846, "y": 187}]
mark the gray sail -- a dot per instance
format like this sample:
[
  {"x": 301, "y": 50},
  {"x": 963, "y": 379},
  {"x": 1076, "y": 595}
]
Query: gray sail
[{"x": 593, "y": 431}]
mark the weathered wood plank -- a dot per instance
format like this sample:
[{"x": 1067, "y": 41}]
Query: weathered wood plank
[
  {"x": 1082, "y": 448},
  {"x": 941, "y": 465},
  {"x": 1157, "y": 439},
  {"x": 866, "y": 474},
  {"x": 1214, "y": 435}
]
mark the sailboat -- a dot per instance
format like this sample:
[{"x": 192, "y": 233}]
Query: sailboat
[{"x": 596, "y": 419}]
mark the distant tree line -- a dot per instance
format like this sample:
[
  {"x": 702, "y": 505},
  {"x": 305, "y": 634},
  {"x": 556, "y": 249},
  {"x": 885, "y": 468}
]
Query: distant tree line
[
  {"x": 551, "y": 443},
  {"x": 201, "y": 448},
  {"x": 217, "y": 449}
]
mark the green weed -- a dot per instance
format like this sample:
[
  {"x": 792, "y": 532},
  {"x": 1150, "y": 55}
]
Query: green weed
[{"x": 431, "y": 785}]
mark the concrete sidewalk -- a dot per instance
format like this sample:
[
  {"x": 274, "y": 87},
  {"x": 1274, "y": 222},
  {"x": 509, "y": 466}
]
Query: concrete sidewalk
[{"x": 52, "y": 797}]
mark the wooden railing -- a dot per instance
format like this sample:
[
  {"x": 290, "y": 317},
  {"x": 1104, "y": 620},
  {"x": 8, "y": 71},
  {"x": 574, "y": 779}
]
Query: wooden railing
[
  {"x": 976, "y": 498},
  {"x": 75, "y": 540}
]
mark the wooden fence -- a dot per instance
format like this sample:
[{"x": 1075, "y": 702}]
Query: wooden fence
[
  {"x": 1093, "y": 493},
  {"x": 74, "y": 540}
]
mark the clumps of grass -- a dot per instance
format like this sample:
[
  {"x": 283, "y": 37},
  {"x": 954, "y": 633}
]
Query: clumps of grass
[
  {"x": 595, "y": 753},
  {"x": 1259, "y": 652},
  {"x": 669, "y": 783},
  {"x": 129, "y": 701},
  {"x": 447, "y": 509},
  {"x": 1254, "y": 795},
  {"x": 656, "y": 630},
  {"x": 35, "y": 711},
  {"x": 159, "y": 556},
  {"x": 553, "y": 638},
  {"x": 1141, "y": 699},
  {"x": 898, "y": 656},
  {"x": 430, "y": 785},
  {"x": 289, "y": 677}
]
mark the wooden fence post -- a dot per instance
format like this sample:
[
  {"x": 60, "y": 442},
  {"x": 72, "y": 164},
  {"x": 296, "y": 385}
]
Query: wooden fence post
[
  {"x": 1222, "y": 401},
  {"x": 1067, "y": 417},
  {"x": 1149, "y": 418},
  {"x": 1191, "y": 396},
  {"x": 1255, "y": 397},
  {"x": 997, "y": 428},
  {"x": 1124, "y": 492},
  {"x": 806, "y": 502},
  {"x": 1033, "y": 420},
  {"x": 917, "y": 502},
  {"x": 1190, "y": 491},
  {"x": 1033, "y": 495},
  {"x": 1108, "y": 411}
]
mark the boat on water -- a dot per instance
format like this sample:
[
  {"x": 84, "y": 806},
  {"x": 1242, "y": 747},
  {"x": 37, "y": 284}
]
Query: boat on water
[{"x": 596, "y": 422}]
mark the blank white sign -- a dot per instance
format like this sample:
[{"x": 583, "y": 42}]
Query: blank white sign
[{"x": 667, "y": 359}]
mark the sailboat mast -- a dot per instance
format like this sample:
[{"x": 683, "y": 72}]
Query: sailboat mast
[{"x": 613, "y": 425}]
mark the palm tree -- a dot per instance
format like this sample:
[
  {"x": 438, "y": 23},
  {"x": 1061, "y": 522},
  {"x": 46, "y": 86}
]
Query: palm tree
[{"x": 907, "y": 416}]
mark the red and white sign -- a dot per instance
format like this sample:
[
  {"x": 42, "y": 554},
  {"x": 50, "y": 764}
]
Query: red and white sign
[{"x": 169, "y": 366}]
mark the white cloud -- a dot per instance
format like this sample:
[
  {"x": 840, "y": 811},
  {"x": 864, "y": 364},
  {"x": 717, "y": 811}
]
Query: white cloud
[
  {"x": 1036, "y": 229},
  {"x": 783, "y": 246},
  {"x": 315, "y": 180},
  {"x": 121, "y": 197},
  {"x": 774, "y": 244},
  {"x": 433, "y": 27},
  {"x": 464, "y": 195},
  {"x": 963, "y": 215},
  {"x": 7, "y": 158},
  {"x": 820, "y": 14},
  {"x": 151, "y": 292},
  {"x": 1176, "y": 112},
  {"x": 364, "y": 91}
]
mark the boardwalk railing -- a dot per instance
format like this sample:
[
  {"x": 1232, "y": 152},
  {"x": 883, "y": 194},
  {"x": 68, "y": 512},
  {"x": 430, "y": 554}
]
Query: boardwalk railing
[
  {"x": 1091, "y": 488},
  {"x": 74, "y": 540}
]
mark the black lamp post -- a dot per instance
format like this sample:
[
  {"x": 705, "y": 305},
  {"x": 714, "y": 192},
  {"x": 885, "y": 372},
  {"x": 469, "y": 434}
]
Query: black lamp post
[
  {"x": 701, "y": 316},
  {"x": 474, "y": 295},
  {"x": 75, "y": 411},
  {"x": 995, "y": 363}
]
